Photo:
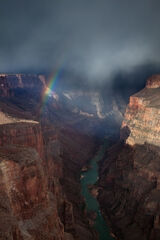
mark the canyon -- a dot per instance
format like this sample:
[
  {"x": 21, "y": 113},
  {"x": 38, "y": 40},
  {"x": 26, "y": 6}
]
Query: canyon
[
  {"x": 45, "y": 142},
  {"x": 129, "y": 192}
]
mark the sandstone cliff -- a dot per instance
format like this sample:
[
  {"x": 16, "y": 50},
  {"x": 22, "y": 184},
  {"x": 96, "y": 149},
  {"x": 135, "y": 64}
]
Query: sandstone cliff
[
  {"x": 130, "y": 175},
  {"x": 143, "y": 115}
]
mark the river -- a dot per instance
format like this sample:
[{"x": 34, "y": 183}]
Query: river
[{"x": 89, "y": 178}]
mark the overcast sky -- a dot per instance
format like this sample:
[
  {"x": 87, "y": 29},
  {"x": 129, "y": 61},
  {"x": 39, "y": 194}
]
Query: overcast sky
[{"x": 94, "y": 38}]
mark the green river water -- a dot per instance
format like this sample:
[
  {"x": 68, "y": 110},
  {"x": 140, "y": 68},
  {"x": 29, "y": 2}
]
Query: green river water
[{"x": 90, "y": 178}]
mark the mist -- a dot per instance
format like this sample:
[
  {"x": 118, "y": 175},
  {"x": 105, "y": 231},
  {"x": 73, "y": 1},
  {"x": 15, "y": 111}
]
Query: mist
[{"x": 92, "y": 39}]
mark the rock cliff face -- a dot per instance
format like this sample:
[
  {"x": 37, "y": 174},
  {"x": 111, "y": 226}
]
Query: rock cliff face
[
  {"x": 143, "y": 115},
  {"x": 41, "y": 156},
  {"x": 130, "y": 176}
]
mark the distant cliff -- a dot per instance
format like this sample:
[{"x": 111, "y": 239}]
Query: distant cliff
[
  {"x": 130, "y": 175},
  {"x": 9, "y": 82}
]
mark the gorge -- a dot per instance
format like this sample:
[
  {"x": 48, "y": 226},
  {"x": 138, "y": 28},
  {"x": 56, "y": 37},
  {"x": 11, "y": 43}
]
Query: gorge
[
  {"x": 89, "y": 178},
  {"x": 45, "y": 147}
]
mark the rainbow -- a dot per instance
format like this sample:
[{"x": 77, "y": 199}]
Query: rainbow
[{"x": 52, "y": 80}]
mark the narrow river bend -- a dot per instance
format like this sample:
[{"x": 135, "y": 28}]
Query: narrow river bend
[{"x": 89, "y": 178}]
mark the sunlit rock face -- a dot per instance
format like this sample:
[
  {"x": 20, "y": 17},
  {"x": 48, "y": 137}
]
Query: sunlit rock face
[
  {"x": 130, "y": 176},
  {"x": 142, "y": 116},
  {"x": 91, "y": 104},
  {"x": 93, "y": 108},
  {"x": 153, "y": 82}
]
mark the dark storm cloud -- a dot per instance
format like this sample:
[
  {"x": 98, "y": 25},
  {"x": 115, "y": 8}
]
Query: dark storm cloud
[{"x": 94, "y": 38}]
